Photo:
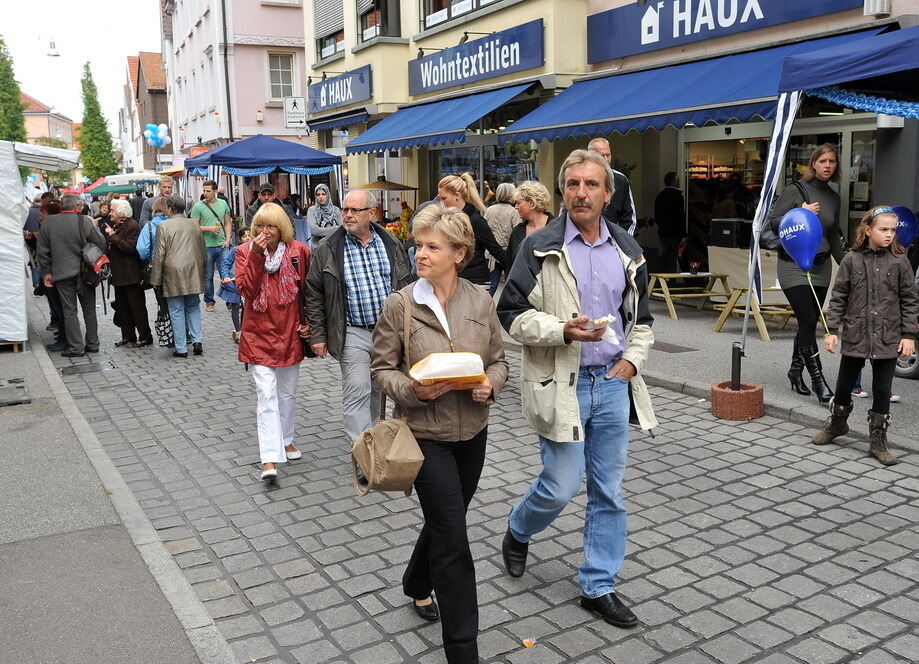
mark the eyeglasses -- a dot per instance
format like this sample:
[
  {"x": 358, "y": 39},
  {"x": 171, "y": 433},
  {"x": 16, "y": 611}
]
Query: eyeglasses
[{"x": 355, "y": 211}]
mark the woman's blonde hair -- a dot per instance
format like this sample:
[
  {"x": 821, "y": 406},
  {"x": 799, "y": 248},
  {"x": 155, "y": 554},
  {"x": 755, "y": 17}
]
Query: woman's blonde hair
[
  {"x": 818, "y": 152},
  {"x": 463, "y": 186},
  {"x": 159, "y": 206},
  {"x": 452, "y": 223},
  {"x": 272, "y": 214},
  {"x": 861, "y": 238},
  {"x": 534, "y": 192}
]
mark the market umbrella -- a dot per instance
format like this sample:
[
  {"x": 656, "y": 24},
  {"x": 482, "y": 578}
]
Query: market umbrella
[
  {"x": 103, "y": 189},
  {"x": 382, "y": 184},
  {"x": 95, "y": 185},
  {"x": 173, "y": 171}
]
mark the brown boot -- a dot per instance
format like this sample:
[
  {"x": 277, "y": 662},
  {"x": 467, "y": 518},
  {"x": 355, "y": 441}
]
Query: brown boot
[
  {"x": 835, "y": 425},
  {"x": 877, "y": 436}
]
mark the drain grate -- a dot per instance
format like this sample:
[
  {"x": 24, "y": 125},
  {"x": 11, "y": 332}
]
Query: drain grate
[
  {"x": 13, "y": 391},
  {"x": 671, "y": 348},
  {"x": 86, "y": 368}
]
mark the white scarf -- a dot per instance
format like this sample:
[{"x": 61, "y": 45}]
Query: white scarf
[{"x": 273, "y": 263}]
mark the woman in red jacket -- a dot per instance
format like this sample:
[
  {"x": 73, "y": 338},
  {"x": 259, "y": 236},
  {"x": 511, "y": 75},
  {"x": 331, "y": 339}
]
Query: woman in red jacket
[{"x": 270, "y": 271}]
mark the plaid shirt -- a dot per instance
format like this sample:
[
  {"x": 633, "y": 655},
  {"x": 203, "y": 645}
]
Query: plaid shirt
[{"x": 368, "y": 279}]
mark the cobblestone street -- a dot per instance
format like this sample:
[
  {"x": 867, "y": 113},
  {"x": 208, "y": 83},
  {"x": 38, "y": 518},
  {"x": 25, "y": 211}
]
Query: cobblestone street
[{"x": 746, "y": 543}]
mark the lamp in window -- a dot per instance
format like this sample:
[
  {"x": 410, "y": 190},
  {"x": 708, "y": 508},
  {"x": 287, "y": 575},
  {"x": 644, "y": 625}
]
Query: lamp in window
[
  {"x": 466, "y": 34},
  {"x": 422, "y": 50}
]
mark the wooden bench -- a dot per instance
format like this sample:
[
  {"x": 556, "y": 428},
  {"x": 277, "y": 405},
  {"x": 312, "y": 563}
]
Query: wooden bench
[
  {"x": 736, "y": 305},
  {"x": 660, "y": 286}
]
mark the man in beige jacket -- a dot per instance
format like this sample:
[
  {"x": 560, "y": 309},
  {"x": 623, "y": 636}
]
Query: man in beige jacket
[{"x": 178, "y": 268}]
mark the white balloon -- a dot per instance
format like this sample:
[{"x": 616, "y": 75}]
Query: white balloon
[
  {"x": 147, "y": 133},
  {"x": 163, "y": 129},
  {"x": 167, "y": 140}
]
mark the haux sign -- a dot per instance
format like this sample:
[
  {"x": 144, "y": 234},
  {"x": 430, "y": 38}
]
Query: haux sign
[
  {"x": 658, "y": 24},
  {"x": 347, "y": 88},
  {"x": 497, "y": 54}
]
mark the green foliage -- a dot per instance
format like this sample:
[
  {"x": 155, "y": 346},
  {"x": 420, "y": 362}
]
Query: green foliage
[
  {"x": 12, "y": 121},
  {"x": 97, "y": 151}
]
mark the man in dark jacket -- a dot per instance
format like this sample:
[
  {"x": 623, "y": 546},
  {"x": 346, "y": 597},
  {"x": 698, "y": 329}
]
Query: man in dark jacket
[
  {"x": 137, "y": 204},
  {"x": 670, "y": 217},
  {"x": 352, "y": 272},
  {"x": 621, "y": 207},
  {"x": 265, "y": 195},
  {"x": 60, "y": 260}
]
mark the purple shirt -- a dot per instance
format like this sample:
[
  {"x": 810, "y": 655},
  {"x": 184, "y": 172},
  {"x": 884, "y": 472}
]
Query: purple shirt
[{"x": 600, "y": 276}]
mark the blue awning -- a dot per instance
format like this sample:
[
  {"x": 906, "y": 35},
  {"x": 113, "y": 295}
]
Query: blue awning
[
  {"x": 717, "y": 90},
  {"x": 339, "y": 121},
  {"x": 437, "y": 122}
]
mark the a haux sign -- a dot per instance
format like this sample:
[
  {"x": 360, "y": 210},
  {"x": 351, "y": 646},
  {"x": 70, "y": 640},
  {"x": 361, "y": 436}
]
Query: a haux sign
[
  {"x": 656, "y": 24},
  {"x": 348, "y": 88},
  {"x": 497, "y": 54}
]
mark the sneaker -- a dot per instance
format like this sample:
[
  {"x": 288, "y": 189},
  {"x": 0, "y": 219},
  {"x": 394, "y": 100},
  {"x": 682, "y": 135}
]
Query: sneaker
[
  {"x": 894, "y": 398},
  {"x": 860, "y": 393}
]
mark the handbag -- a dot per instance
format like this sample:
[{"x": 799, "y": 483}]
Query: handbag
[
  {"x": 94, "y": 259},
  {"x": 387, "y": 453},
  {"x": 301, "y": 303},
  {"x": 147, "y": 268},
  {"x": 768, "y": 238}
]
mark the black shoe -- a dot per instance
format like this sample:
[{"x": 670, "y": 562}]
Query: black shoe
[
  {"x": 51, "y": 326},
  {"x": 176, "y": 353},
  {"x": 611, "y": 609},
  {"x": 197, "y": 348},
  {"x": 123, "y": 342},
  {"x": 515, "y": 555},
  {"x": 142, "y": 343},
  {"x": 57, "y": 346},
  {"x": 428, "y": 611},
  {"x": 92, "y": 350},
  {"x": 815, "y": 369},
  {"x": 68, "y": 353}
]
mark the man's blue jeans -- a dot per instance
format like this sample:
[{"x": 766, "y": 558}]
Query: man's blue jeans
[
  {"x": 215, "y": 256},
  {"x": 185, "y": 314},
  {"x": 604, "y": 406}
]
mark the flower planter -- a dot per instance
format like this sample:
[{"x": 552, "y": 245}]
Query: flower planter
[{"x": 743, "y": 404}]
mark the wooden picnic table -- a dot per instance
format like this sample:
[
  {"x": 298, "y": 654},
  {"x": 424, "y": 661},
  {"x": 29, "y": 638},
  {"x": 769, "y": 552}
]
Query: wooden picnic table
[
  {"x": 735, "y": 305},
  {"x": 660, "y": 285}
]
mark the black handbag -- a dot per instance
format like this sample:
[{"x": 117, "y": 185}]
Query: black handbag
[
  {"x": 301, "y": 305},
  {"x": 768, "y": 238},
  {"x": 95, "y": 262}
]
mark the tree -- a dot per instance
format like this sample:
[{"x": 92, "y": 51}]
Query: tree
[
  {"x": 97, "y": 151},
  {"x": 12, "y": 121}
]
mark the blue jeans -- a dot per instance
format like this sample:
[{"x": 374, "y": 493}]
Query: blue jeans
[
  {"x": 495, "y": 280},
  {"x": 604, "y": 408},
  {"x": 185, "y": 314},
  {"x": 215, "y": 256}
]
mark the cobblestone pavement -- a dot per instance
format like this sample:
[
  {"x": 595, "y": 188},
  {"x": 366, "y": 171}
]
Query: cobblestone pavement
[{"x": 745, "y": 544}]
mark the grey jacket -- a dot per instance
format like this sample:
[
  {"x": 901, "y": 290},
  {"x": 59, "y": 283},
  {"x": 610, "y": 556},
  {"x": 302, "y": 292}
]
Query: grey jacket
[
  {"x": 60, "y": 245},
  {"x": 178, "y": 262},
  {"x": 325, "y": 292},
  {"x": 875, "y": 303}
]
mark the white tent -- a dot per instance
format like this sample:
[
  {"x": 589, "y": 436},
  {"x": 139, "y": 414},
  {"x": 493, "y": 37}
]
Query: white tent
[
  {"x": 13, "y": 211},
  {"x": 140, "y": 177}
]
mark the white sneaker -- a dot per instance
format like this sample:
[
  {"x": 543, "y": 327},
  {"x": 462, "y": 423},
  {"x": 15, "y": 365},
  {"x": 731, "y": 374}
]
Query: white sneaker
[
  {"x": 894, "y": 398},
  {"x": 269, "y": 474},
  {"x": 293, "y": 456},
  {"x": 860, "y": 393}
]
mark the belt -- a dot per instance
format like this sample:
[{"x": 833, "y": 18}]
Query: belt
[{"x": 369, "y": 328}]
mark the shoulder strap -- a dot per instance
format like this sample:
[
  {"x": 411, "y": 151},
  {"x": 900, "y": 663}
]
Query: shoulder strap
[
  {"x": 80, "y": 228},
  {"x": 406, "y": 333},
  {"x": 800, "y": 188}
]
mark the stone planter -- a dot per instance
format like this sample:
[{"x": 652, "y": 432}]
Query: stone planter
[{"x": 743, "y": 404}]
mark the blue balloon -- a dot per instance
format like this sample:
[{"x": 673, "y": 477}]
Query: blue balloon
[
  {"x": 800, "y": 233},
  {"x": 907, "y": 226}
]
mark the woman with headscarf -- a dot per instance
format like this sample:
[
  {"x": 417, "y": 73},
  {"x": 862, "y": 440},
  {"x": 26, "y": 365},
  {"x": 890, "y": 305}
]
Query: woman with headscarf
[{"x": 323, "y": 217}]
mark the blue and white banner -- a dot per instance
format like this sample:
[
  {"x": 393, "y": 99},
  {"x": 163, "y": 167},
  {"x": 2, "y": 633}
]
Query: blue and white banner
[
  {"x": 656, "y": 24},
  {"x": 348, "y": 88},
  {"x": 497, "y": 54}
]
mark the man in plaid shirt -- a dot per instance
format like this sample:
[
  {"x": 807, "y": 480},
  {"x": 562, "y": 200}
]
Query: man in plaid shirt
[{"x": 352, "y": 272}]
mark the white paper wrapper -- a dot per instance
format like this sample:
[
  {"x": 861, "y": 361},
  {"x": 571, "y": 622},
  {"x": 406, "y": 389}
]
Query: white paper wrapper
[{"x": 458, "y": 367}]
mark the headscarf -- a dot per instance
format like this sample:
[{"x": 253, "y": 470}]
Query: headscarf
[{"x": 326, "y": 213}]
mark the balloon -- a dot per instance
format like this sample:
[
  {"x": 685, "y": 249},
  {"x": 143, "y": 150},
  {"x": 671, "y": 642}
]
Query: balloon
[
  {"x": 800, "y": 233},
  {"x": 907, "y": 226},
  {"x": 167, "y": 140},
  {"x": 147, "y": 133},
  {"x": 152, "y": 127},
  {"x": 163, "y": 128}
]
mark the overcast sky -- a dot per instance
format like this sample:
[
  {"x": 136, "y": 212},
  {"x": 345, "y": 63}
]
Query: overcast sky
[{"x": 105, "y": 35}]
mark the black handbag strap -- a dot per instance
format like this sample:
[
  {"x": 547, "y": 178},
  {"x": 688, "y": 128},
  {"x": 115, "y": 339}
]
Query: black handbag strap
[
  {"x": 406, "y": 333},
  {"x": 800, "y": 187},
  {"x": 213, "y": 212}
]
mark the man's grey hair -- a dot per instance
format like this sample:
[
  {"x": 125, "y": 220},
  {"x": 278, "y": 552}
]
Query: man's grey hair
[
  {"x": 176, "y": 203},
  {"x": 594, "y": 141},
  {"x": 71, "y": 202},
  {"x": 370, "y": 200},
  {"x": 580, "y": 157},
  {"x": 504, "y": 192}
]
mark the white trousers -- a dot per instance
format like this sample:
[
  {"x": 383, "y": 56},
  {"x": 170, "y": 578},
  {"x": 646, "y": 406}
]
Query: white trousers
[{"x": 276, "y": 389}]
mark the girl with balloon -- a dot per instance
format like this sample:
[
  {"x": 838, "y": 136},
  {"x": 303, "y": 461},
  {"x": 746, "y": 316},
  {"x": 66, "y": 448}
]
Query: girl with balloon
[
  {"x": 806, "y": 286},
  {"x": 874, "y": 310}
]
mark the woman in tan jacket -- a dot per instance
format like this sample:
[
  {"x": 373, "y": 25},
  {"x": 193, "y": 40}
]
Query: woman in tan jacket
[{"x": 450, "y": 421}]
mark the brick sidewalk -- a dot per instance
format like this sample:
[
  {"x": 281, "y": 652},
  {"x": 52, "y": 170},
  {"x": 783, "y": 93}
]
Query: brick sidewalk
[{"x": 745, "y": 544}]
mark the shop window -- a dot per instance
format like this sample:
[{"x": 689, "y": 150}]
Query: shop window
[
  {"x": 378, "y": 18},
  {"x": 513, "y": 162},
  {"x": 434, "y": 12},
  {"x": 281, "y": 74},
  {"x": 330, "y": 45}
]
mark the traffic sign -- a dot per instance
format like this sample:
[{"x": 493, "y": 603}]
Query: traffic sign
[{"x": 295, "y": 112}]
